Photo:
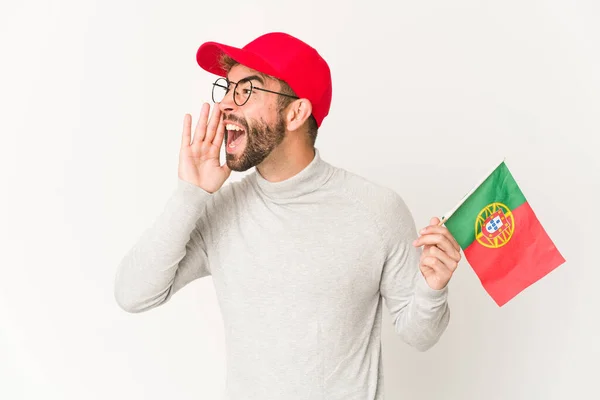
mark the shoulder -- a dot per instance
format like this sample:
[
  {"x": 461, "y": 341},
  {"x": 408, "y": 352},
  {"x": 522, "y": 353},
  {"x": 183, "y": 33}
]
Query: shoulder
[
  {"x": 378, "y": 198},
  {"x": 382, "y": 203},
  {"x": 224, "y": 209},
  {"x": 232, "y": 194}
]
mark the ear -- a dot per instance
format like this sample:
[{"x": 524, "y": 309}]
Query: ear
[{"x": 297, "y": 114}]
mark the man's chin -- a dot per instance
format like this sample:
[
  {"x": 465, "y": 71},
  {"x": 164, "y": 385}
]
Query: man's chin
[{"x": 237, "y": 163}]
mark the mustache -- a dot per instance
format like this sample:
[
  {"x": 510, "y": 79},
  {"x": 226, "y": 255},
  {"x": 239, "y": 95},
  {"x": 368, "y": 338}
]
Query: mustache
[{"x": 237, "y": 120}]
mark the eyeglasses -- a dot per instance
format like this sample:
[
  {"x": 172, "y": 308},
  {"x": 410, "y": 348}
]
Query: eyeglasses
[{"x": 242, "y": 90}]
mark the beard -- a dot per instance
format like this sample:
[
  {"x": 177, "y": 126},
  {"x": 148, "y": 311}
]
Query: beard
[{"x": 261, "y": 139}]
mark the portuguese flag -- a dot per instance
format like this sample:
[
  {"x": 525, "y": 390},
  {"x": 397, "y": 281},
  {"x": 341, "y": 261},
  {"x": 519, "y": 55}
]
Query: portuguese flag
[{"x": 501, "y": 237}]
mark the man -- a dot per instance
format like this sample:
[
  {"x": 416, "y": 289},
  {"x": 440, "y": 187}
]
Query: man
[{"x": 302, "y": 253}]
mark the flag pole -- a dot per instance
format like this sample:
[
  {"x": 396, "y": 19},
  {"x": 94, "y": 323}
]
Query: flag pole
[{"x": 465, "y": 197}]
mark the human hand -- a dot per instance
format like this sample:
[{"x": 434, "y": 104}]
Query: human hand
[
  {"x": 441, "y": 254},
  {"x": 199, "y": 161}
]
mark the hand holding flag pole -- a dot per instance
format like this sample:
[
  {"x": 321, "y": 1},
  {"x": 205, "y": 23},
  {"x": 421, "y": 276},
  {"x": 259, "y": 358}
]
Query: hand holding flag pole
[
  {"x": 440, "y": 256},
  {"x": 441, "y": 251}
]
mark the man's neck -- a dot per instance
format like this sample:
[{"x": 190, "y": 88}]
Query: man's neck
[{"x": 285, "y": 162}]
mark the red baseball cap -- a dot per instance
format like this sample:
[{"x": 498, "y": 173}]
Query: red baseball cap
[{"x": 281, "y": 56}]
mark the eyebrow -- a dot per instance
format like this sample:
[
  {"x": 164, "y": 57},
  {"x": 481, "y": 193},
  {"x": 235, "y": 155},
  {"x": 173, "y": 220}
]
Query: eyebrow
[{"x": 251, "y": 78}]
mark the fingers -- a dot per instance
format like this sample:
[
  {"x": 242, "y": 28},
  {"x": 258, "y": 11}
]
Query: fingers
[
  {"x": 448, "y": 261},
  {"x": 442, "y": 231},
  {"x": 200, "y": 130},
  {"x": 441, "y": 270},
  {"x": 186, "y": 136},
  {"x": 441, "y": 241},
  {"x": 219, "y": 134},
  {"x": 215, "y": 120},
  {"x": 218, "y": 142},
  {"x": 440, "y": 256}
]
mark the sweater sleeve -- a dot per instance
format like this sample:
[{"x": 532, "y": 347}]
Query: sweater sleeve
[
  {"x": 169, "y": 254},
  {"x": 420, "y": 313}
]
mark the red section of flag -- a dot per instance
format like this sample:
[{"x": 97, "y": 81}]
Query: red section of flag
[{"x": 527, "y": 257}]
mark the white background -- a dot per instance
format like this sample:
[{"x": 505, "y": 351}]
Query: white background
[{"x": 427, "y": 96}]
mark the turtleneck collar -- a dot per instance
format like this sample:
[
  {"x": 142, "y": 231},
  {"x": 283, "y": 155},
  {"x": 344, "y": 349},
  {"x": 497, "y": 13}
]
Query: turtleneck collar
[{"x": 311, "y": 178}]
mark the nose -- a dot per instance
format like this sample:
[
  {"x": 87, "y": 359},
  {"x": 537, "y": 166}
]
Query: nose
[{"x": 227, "y": 104}]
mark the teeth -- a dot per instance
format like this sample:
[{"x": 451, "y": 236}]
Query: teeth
[{"x": 232, "y": 127}]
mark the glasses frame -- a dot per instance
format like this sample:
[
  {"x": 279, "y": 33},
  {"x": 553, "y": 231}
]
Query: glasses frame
[{"x": 252, "y": 88}]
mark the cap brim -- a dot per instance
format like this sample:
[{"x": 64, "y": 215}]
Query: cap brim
[{"x": 209, "y": 54}]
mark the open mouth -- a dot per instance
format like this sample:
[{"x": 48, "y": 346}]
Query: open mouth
[{"x": 235, "y": 136}]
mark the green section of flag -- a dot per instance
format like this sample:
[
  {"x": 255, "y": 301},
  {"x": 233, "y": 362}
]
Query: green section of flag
[{"x": 499, "y": 186}]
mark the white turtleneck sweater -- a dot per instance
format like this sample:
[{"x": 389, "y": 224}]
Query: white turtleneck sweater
[{"x": 300, "y": 269}]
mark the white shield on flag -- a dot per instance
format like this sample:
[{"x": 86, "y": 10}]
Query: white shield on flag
[{"x": 494, "y": 224}]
